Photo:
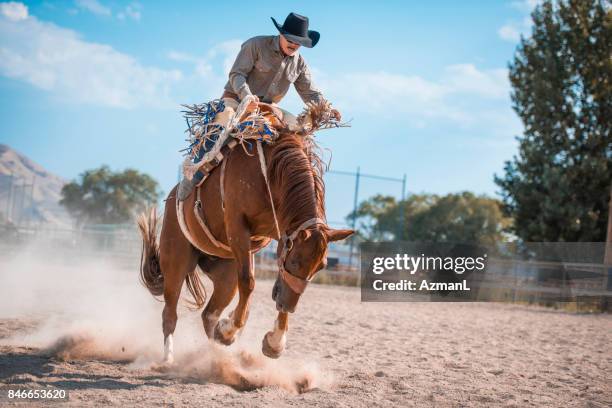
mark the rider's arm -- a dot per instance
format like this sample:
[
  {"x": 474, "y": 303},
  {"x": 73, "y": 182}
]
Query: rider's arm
[
  {"x": 304, "y": 85},
  {"x": 242, "y": 67}
]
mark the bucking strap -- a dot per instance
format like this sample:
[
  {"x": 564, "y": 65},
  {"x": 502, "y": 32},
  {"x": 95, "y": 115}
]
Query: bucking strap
[{"x": 197, "y": 207}]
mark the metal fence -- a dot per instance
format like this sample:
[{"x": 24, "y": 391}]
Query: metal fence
[
  {"x": 16, "y": 199},
  {"x": 534, "y": 281},
  {"x": 121, "y": 243}
]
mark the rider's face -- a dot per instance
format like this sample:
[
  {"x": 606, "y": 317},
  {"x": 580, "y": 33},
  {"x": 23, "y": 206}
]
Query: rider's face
[{"x": 289, "y": 48}]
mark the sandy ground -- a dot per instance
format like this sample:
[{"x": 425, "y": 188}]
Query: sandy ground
[{"x": 340, "y": 351}]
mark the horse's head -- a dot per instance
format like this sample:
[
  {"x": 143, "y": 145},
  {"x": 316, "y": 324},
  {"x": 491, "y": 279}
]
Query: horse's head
[{"x": 301, "y": 255}]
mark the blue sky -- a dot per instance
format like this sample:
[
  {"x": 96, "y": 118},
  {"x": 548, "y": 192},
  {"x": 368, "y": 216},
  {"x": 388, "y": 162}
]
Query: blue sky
[{"x": 91, "y": 82}]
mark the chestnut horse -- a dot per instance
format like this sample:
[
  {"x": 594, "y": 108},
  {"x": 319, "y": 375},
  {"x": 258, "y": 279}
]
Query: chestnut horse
[{"x": 244, "y": 223}]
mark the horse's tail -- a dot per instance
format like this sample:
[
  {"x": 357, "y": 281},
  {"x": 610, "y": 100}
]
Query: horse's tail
[{"x": 150, "y": 269}]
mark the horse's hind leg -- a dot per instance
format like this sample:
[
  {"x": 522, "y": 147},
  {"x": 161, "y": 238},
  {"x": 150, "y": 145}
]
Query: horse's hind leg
[
  {"x": 177, "y": 258},
  {"x": 175, "y": 271},
  {"x": 222, "y": 273}
]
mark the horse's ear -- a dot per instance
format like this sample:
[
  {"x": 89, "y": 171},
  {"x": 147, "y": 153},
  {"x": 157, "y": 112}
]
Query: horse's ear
[{"x": 339, "y": 234}]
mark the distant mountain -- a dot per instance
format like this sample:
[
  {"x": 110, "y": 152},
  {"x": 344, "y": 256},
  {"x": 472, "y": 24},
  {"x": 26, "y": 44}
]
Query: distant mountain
[{"x": 29, "y": 194}]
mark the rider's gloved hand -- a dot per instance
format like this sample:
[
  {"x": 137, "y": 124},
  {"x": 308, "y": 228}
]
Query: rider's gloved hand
[
  {"x": 336, "y": 114},
  {"x": 253, "y": 104}
]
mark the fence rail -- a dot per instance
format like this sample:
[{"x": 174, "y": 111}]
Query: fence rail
[{"x": 522, "y": 281}]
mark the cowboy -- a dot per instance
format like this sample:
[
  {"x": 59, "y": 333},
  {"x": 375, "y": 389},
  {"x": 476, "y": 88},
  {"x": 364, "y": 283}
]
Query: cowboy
[{"x": 265, "y": 68}]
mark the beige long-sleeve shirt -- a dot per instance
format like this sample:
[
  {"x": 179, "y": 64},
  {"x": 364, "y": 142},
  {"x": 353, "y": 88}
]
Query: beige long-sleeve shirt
[{"x": 261, "y": 69}]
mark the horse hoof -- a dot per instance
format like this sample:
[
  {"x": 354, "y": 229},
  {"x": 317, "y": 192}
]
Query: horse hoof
[
  {"x": 219, "y": 337},
  {"x": 267, "y": 350}
]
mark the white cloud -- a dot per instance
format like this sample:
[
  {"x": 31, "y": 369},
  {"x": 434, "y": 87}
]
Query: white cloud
[
  {"x": 14, "y": 11},
  {"x": 222, "y": 55},
  {"x": 467, "y": 79},
  {"x": 525, "y": 5},
  {"x": 131, "y": 11},
  {"x": 382, "y": 90},
  {"x": 461, "y": 95},
  {"x": 228, "y": 51},
  {"x": 93, "y": 6},
  {"x": 513, "y": 30},
  {"x": 510, "y": 32},
  {"x": 181, "y": 56},
  {"x": 201, "y": 66},
  {"x": 58, "y": 60}
]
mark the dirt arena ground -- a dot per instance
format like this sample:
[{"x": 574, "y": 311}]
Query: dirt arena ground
[{"x": 104, "y": 350}]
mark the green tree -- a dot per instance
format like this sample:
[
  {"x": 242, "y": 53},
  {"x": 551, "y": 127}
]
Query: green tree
[
  {"x": 105, "y": 197},
  {"x": 557, "y": 188},
  {"x": 376, "y": 217},
  {"x": 462, "y": 217}
]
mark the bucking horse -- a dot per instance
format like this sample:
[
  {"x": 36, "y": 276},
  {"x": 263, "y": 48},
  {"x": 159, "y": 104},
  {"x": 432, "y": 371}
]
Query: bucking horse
[{"x": 251, "y": 198}]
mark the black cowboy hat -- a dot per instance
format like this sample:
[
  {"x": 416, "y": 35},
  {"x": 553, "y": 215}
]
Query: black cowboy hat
[{"x": 295, "y": 29}]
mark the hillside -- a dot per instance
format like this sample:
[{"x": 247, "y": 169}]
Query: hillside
[{"x": 29, "y": 194}]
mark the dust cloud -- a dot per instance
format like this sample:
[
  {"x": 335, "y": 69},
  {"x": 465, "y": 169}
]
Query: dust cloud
[{"x": 86, "y": 307}]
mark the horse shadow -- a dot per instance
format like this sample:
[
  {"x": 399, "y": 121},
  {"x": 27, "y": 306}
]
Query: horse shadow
[{"x": 37, "y": 369}]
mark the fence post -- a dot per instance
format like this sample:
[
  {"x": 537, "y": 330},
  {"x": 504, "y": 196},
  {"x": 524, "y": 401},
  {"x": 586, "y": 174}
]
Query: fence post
[
  {"x": 402, "y": 225},
  {"x": 608, "y": 249},
  {"x": 9, "y": 200},
  {"x": 31, "y": 204},
  {"x": 354, "y": 220}
]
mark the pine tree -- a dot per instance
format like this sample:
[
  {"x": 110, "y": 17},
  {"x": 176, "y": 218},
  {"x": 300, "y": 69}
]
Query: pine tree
[{"x": 557, "y": 188}]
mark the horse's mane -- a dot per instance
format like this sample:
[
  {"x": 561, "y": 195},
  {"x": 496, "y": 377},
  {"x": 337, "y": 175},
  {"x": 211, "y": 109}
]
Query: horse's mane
[{"x": 296, "y": 170}]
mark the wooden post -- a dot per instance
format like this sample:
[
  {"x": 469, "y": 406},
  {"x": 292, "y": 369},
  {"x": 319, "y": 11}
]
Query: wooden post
[
  {"x": 608, "y": 252},
  {"x": 608, "y": 256}
]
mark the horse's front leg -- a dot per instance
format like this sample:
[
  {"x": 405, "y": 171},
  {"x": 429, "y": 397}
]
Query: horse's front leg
[
  {"x": 227, "y": 329},
  {"x": 274, "y": 341}
]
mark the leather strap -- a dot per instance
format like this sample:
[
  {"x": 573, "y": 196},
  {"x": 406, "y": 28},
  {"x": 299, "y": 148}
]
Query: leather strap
[
  {"x": 197, "y": 207},
  {"x": 297, "y": 284},
  {"x": 222, "y": 180}
]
